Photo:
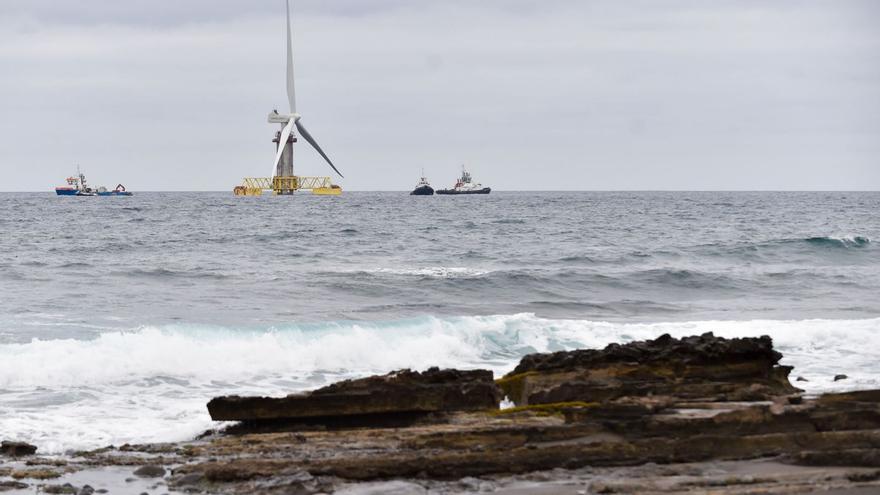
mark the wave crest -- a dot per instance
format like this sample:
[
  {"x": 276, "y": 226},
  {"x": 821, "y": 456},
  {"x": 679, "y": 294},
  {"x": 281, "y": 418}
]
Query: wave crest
[
  {"x": 854, "y": 241},
  {"x": 350, "y": 348}
]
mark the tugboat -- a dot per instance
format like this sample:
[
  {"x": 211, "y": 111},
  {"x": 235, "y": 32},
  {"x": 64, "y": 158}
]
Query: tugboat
[
  {"x": 77, "y": 186},
  {"x": 423, "y": 188},
  {"x": 464, "y": 185}
]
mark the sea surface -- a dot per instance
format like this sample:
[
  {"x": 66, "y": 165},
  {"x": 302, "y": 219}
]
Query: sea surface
[{"x": 121, "y": 317}]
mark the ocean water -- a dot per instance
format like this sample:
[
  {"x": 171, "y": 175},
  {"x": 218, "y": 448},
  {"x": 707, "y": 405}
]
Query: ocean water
[{"x": 121, "y": 317}]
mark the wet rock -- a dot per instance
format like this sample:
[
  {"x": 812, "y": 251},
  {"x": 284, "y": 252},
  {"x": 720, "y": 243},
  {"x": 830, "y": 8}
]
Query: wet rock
[
  {"x": 16, "y": 449},
  {"x": 37, "y": 474},
  {"x": 12, "y": 485},
  {"x": 864, "y": 397},
  {"x": 298, "y": 483},
  {"x": 66, "y": 488},
  {"x": 402, "y": 392},
  {"x": 42, "y": 461},
  {"x": 842, "y": 457},
  {"x": 187, "y": 480},
  {"x": 86, "y": 490},
  {"x": 837, "y": 378},
  {"x": 699, "y": 367},
  {"x": 801, "y": 379},
  {"x": 150, "y": 471},
  {"x": 864, "y": 477}
]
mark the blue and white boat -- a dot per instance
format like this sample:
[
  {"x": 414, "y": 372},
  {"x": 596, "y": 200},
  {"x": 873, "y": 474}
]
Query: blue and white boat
[{"x": 77, "y": 186}]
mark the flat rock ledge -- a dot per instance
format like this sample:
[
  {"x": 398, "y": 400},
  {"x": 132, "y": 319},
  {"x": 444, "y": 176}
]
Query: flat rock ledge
[
  {"x": 372, "y": 400},
  {"x": 698, "y": 415}
]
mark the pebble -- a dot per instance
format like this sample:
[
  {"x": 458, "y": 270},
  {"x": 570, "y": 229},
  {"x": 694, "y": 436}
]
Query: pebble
[{"x": 150, "y": 471}]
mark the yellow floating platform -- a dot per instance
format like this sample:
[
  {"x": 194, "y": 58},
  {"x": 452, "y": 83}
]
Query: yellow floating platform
[
  {"x": 328, "y": 191},
  {"x": 254, "y": 186}
]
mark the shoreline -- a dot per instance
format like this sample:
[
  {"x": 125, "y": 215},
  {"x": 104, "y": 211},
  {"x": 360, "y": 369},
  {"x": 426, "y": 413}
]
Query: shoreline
[{"x": 695, "y": 415}]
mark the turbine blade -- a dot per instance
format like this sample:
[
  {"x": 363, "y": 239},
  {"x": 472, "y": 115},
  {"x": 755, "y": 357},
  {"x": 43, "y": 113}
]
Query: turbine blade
[
  {"x": 308, "y": 137},
  {"x": 282, "y": 143},
  {"x": 291, "y": 93}
]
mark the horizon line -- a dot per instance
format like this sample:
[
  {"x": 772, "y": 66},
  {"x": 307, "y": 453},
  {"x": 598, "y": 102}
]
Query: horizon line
[{"x": 502, "y": 190}]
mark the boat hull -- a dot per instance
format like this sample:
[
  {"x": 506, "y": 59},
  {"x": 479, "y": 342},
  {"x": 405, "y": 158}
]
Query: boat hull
[
  {"x": 485, "y": 190},
  {"x": 62, "y": 191},
  {"x": 114, "y": 193},
  {"x": 422, "y": 191}
]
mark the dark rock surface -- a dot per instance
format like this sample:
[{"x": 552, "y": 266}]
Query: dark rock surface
[
  {"x": 702, "y": 367},
  {"x": 6, "y": 486},
  {"x": 704, "y": 349},
  {"x": 16, "y": 449},
  {"x": 66, "y": 488},
  {"x": 150, "y": 471},
  {"x": 372, "y": 398}
]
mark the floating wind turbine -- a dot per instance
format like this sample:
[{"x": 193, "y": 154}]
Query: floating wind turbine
[{"x": 288, "y": 121}]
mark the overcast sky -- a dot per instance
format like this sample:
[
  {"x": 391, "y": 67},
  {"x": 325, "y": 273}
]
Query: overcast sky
[{"x": 538, "y": 94}]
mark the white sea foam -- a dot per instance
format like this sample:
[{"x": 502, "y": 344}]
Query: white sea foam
[
  {"x": 434, "y": 272},
  {"x": 851, "y": 239},
  {"x": 152, "y": 384}
]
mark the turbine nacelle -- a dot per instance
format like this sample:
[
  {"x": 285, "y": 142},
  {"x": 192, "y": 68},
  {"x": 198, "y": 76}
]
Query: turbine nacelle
[{"x": 282, "y": 118}]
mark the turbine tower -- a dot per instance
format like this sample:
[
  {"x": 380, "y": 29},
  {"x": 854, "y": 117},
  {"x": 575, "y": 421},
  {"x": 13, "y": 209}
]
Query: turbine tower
[{"x": 283, "y": 180}]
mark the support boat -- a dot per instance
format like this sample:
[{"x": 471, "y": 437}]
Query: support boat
[
  {"x": 423, "y": 188},
  {"x": 465, "y": 185},
  {"x": 77, "y": 186}
]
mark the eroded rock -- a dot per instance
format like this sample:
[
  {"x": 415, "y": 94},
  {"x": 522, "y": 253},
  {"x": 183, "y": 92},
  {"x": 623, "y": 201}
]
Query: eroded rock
[
  {"x": 699, "y": 367},
  {"x": 374, "y": 398}
]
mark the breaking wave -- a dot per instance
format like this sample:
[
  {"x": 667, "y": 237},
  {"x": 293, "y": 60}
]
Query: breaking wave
[
  {"x": 426, "y": 272},
  {"x": 855, "y": 241}
]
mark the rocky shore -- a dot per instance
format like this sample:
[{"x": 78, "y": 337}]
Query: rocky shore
[{"x": 696, "y": 415}]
